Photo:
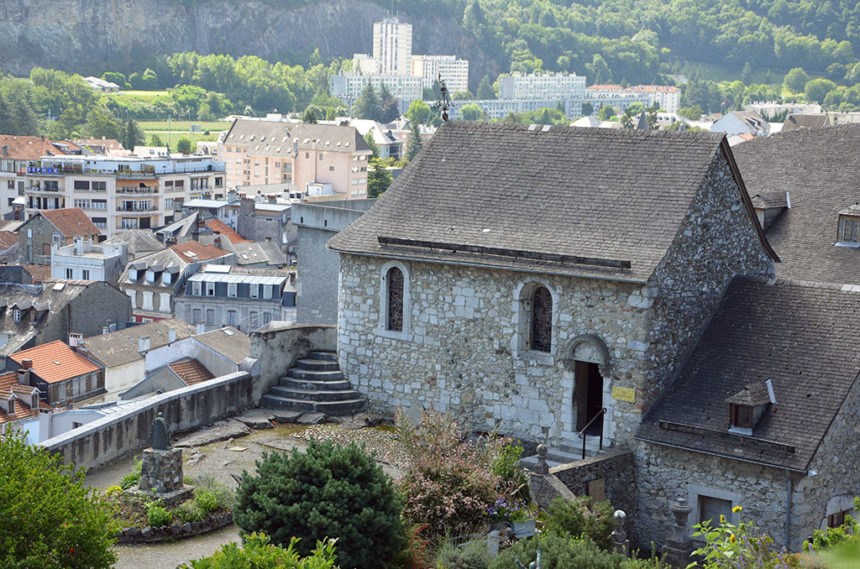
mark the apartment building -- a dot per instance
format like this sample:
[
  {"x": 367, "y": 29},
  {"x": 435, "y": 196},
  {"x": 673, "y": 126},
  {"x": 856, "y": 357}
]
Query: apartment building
[
  {"x": 454, "y": 71},
  {"x": 276, "y": 152},
  {"x": 120, "y": 193},
  {"x": 392, "y": 46},
  {"x": 560, "y": 87},
  {"x": 615, "y": 96},
  {"x": 665, "y": 97},
  {"x": 406, "y": 88},
  {"x": 16, "y": 153}
]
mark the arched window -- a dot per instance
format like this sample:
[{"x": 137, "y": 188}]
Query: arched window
[
  {"x": 540, "y": 329},
  {"x": 394, "y": 292}
]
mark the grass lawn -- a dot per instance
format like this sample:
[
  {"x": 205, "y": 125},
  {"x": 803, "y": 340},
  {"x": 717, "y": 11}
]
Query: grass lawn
[
  {"x": 184, "y": 126},
  {"x": 142, "y": 96},
  {"x": 176, "y": 135}
]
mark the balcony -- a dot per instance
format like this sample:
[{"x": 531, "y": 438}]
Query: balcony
[
  {"x": 136, "y": 190},
  {"x": 125, "y": 210}
]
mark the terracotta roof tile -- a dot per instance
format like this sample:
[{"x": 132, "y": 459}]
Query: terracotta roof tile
[
  {"x": 202, "y": 252},
  {"x": 39, "y": 273},
  {"x": 191, "y": 372},
  {"x": 55, "y": 361},
  {"x": 71, "y": 222},
  {"x": 29, "y": 147},
  {"x": 222, "y": 228},
  {"x": 8, "y": 239}
]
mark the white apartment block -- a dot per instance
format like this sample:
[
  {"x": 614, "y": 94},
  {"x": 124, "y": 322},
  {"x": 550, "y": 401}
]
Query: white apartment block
[
  {"x": 119, "y": 193},
  {"x": 559, "y": 87},
  {"x": 455, "y": 72},
  {"x": 392, "y": 46},
  {"x": 615, "y": 96},
  {"x": 349, "y": 86},
  {"x": 665, "y": 97},
  {"x": 500, "y": 108},
  {"x": 85, "y": 261}
]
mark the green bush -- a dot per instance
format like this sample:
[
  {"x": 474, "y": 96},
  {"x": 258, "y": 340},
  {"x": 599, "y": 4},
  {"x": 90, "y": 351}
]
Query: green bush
[
  {"x": 206, "y": 501},
  {"x": 133, "y": 479},
  {"x": 258, "y": 553},
  {"x": 471, "y": 555},
  {"x": 327, "y": 491},
  {"x": 507, "y": 467},
  {"x": 581, "y": 517},
  {"x": 560, "y": 552},
  {"x": 48, "y": 518},
  {"x": 157, "y": 515},
  {"x": 189, "y": 512}
]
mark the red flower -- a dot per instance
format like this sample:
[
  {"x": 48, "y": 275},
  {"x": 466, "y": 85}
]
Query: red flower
[{"x": 71, "y": 550}]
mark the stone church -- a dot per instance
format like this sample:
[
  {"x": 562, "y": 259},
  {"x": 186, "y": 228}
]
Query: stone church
[{"x": 561, "y": 285}]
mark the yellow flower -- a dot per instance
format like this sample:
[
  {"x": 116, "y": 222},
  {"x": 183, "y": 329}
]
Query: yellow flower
[
  {"x": 722, "y": 519},
  {"x": 737, "y": 509},
  {"x": 732, "y": 538}
]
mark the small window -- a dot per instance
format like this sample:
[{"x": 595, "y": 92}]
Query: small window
[
  {"x": 711, "y": 509},
  {"x": 838, "y": 519},
  {"x": 210, "y": 289},
  {"x": 849, "y": 229},
  {"x": 16, "y": 315},
  {"x": 232, "y": 319},
  {"x": 267, "y": 317},
  {"x": 394, "y": 291},
  {"x": 331, "y": 168},
  {"x": 267, "y": 291},
  {"x": 253, "y": 321},
  {"x": 70, "y": 274},
  {"x": 231, "y": 290},
  {"x": 85, "y": 274},
  {"x": 210, "y": 317},
  {"x": 254, "y": 291},
  {"x": 197, "y": 316},
  {"x": 541, "y": 320},
  {"x": 196, "y": 289},
  {"x": 742, "y": 416}
]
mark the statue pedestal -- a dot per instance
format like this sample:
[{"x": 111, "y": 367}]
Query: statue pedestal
[{"x": 161, "y": 474}]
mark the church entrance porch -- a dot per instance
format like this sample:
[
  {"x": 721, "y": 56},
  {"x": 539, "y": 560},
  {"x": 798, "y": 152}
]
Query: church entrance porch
[{"x": 588, "y": 398}]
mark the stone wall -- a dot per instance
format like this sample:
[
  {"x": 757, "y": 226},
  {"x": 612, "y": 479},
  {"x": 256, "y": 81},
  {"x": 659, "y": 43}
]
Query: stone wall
[
  {"x": 716, "y": 241},
  {"x": 664, "y": 474},
  {"x": 835, "y": 483},
  {"x": 459, "y": 353},
  {"x": 615, "y": 468},
  {"x": 277, "y": 346},
  {"x": 101, "y": 441}
]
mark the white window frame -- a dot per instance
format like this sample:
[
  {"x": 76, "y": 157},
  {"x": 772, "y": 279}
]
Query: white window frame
[
  {"x": 197, "y": 288},
  {"x": 210, "y": 289},
  {"x": 232, "y": 290}
]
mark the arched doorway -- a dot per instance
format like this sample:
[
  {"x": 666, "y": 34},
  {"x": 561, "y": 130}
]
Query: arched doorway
[{"x": 588, "y": 359}]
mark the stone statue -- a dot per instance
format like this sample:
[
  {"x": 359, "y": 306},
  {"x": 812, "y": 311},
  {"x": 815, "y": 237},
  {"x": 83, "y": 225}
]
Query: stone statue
[{"x": 160, "y": 434}]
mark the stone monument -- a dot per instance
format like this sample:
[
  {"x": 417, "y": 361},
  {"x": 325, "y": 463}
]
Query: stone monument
[
  {"x": 679, "y": 547},
  {"x": 161, "y": 471}
]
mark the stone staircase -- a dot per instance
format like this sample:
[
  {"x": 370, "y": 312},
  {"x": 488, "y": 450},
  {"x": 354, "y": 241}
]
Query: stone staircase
[
  {"x": 315, "y": 385},
  {"x": 565, "y": 454}
]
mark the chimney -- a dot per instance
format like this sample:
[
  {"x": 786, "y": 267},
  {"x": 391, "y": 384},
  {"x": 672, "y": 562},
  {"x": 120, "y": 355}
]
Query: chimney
[
  {"x": 143, "y": 344},
  {"x": 171, "y": 335},
  {"x": 27, "y": 364},
  {"x": 79, "y": 246}
]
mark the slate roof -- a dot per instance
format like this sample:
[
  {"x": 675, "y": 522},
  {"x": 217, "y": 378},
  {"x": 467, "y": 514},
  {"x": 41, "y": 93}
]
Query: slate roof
[
  {"x": 140, "y": 242},
  {"x": 55, "y": 361},
  {"x": 801, "y": 337},
  {"x": 590, "y": 193},
  {"x": 121, "y": 347},
  {"x": 812, "y": 120},
  {"x": 769, "y": 200},
  {"x": 820, "y": 169},
  {"x": 227, "y": 341},
  {"x": 70, "y": 221},
  {"x": 277, "y": 139}
]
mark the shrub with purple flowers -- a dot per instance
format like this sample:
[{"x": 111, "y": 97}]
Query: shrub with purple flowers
[{"x": 505, "y": 510}]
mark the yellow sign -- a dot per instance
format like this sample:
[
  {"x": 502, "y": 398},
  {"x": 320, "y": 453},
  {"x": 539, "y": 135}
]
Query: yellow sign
[{"x": 624, "y": 394}]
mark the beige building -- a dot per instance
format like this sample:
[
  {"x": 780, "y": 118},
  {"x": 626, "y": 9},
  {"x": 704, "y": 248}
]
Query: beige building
[
  {"x": 455, "y": 72},
  {"x": 392, "y": 46},
  {"x": 120, "y": 193},
  {"x": 273, "y": 152}
]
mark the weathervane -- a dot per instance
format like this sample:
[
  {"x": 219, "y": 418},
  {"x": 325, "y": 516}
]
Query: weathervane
[{"x": 443, "y": 103}]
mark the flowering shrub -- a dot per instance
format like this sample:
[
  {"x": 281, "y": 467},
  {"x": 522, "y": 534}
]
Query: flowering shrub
[
  {"x": 448, "y": 484},
  {"x": 730, "y": 546},
  {"x": 503, "y": 510},
  {"x": 507, "y": 466}
]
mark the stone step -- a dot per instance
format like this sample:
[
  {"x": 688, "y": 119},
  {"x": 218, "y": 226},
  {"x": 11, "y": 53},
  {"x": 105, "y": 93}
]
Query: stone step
[
  {"x": 313, "y": 394},
  {"x": 320, "y": 365},
  {"x": 556, "y": 457},
  {"x": 321, "y": 355},
  {"x": 334, "y": 408},
  {"x": 315, "y": 375},
  {"x": 309, "y": 384}
]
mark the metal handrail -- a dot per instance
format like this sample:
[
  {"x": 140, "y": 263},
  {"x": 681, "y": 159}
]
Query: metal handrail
[{"x": 581, "y": 432}]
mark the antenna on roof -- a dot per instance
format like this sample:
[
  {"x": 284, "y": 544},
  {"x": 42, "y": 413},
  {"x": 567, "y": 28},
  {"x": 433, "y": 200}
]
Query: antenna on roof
[{"x": 443, "y": 103}]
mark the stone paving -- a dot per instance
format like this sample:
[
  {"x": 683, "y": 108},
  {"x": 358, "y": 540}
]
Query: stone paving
[{"x": 212, "y": 455}]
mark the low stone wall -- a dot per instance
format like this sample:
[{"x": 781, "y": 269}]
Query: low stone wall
[
  {"x": 99, "y": 442},
  {"x": 615, "y": 468},
  {"x": 277, "y": 346},
  {"x": 150, "y": 534}
]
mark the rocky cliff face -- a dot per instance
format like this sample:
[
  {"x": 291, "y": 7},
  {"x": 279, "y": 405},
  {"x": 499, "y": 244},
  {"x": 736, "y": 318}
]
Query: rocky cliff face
[{"x": 92, "y": 36}]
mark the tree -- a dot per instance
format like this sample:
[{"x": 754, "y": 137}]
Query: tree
[
  {"x": 389, "y": 106},
  {"x": 49, "y": 518},
  {"x": 115, "y": 77},
  {"x": 309, "y": 116},
  {"x": 414, "y": 142},
  {"x": 368, "y": 138},
  {"x": 817, "y": 89},
  {"x": 418, "y": 112},
  {"x": 796, "y": 80},
  {"x": 471, "y": 112},
  {"x": 485, "y": 89},
  {"x": 132, "y": 135},
  {"x": 101, "y": 123},
  {"x": 184, "y": 145},
  {"x": 693, "y": 113},
  {"x": 587, "y": 109},
  {"x": 605, "y": 113},
  {"x": 367, "y": 105},
  {"x": 155, "y": 140},
  {"x": 378, "y": 178},
  {"x": 328, "y": 491}
]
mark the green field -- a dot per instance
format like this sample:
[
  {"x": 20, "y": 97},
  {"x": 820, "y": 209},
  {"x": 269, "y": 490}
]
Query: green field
[
  {"x": 142, "y": 96},
  {"x": 184, "y": 126}
]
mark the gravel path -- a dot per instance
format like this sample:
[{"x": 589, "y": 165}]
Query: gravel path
[{"x": 219, "y": 460}]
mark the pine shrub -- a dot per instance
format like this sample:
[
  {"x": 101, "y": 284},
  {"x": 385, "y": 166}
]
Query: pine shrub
[
  {"x": 581, "y": 517},
  {"x": 328, "y": 491}
]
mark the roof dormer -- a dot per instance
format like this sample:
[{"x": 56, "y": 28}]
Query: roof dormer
[
  {"x": 848, "y": 232},
  {"x": 748, "y": 405}
]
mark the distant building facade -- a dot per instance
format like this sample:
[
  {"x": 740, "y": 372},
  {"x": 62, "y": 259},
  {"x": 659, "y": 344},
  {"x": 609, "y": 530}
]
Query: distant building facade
[
  {"x": 85, "y": 261},
  {"x": 559, "y": 87},
  {"x": 454, "y": 71},
  {"x": 392, "y": 46}
]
